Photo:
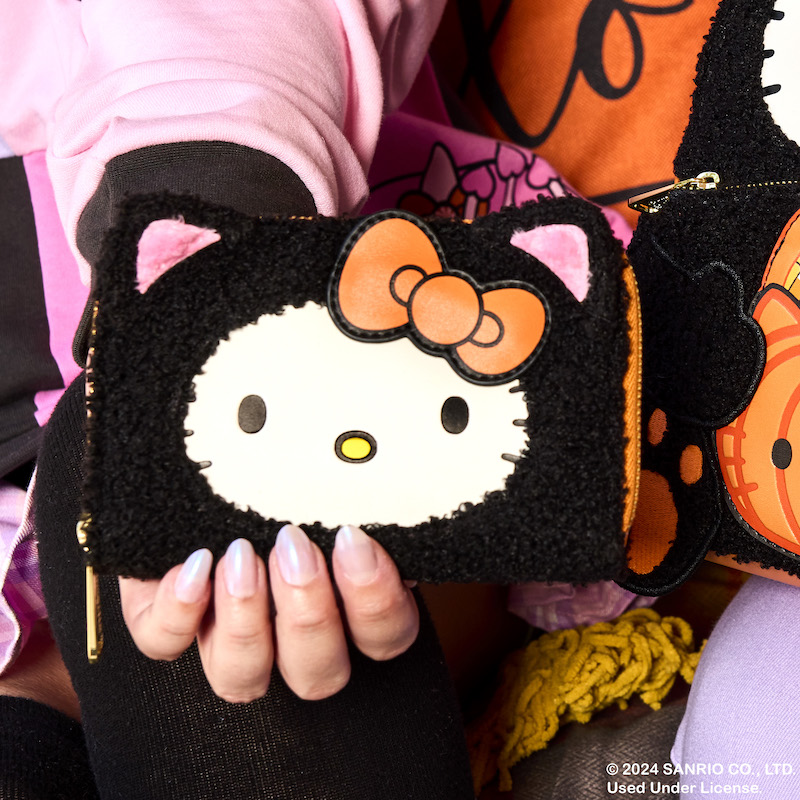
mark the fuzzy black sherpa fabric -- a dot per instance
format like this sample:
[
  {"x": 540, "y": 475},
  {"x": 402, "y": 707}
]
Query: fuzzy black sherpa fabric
[
  {"x": 155, "y": 729},
  {"x": 730, "y": 129},
  {"x": 700, "y": 261},
  {"x": 560, "y": 514}
]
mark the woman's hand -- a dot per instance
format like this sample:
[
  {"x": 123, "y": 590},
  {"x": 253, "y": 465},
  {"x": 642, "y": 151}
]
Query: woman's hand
[{"x": 230, "y": 616}]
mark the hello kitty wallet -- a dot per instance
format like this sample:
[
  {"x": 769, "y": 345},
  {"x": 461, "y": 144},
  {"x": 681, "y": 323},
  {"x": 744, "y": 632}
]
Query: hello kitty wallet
[{"x": 468, "y": 393}]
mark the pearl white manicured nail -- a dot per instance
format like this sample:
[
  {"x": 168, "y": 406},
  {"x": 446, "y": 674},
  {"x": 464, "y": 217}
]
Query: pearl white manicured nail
[
  {"x": 241, "y": 571},
  {"x": 356, "y": 553},
  {"x": 193, "y": 576},
  {"x": 297, "y": 560}
]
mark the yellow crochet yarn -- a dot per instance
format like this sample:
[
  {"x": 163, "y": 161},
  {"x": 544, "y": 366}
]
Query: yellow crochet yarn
[{"x": 569, "y": 675}]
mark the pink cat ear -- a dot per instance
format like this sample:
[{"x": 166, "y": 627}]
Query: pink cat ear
[
  {"x": 562, "y": 248},
  {"x": 164, "y": 243}
]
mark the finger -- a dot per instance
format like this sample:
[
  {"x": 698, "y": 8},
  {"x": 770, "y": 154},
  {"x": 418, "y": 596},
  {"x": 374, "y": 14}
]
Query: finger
[
  {"x": 235, "y": 642},
  {"x": 163, "y": 617},
  {"x": 311, "y": 644},
  {"x": 381, "y": 612}
]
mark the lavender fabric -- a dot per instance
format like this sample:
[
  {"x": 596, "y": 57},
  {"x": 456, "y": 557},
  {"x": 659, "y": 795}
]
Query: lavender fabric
[
  {"x": 555, "y": 606},
  {"x": 21, "y": 601},
  {"x": 742, "y": 725}
]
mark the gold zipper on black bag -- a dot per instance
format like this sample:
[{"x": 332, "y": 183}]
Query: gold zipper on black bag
[
  {"x": 653, "y": 201},
  {"x": 94, "y": 630}
]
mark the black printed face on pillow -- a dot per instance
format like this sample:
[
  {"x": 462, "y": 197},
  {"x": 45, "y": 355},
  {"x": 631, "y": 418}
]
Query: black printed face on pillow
[{"x": 456, "y": 389}]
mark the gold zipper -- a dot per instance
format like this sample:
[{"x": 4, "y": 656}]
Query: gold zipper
[
  {"x": 94, "y": 630},
  {"x": 761, "y": 185},
  {"x": 653, "y": 201}
]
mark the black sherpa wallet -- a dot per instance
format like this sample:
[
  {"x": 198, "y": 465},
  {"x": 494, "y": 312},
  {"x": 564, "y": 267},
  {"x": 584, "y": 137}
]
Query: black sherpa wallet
[
  {"x": 468, "y": 393},
  {"x": 716, "y": 257}
]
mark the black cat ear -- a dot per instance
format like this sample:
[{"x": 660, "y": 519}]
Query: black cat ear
[
  {"x": 166, "y": 242},
  {"x": 746, "y": 81}
]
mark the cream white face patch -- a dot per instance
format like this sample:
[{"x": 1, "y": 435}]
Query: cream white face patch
[
  {"x": 298, "y": 422},
  {"x": 780, "y": 74}
]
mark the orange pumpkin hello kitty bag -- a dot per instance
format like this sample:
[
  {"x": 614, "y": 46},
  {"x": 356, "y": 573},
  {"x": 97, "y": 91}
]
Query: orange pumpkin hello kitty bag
[{"x": 717, "y": 256}]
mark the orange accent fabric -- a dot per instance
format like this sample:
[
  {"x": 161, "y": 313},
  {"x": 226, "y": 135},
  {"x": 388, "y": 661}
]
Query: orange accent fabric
[
  {"x": 654, "y": 526},
  {"x": 364, "y": 286},
  {"x": 782, "y": 264},
  {"x": 523, "y": 317},
  {"x": 445, "y": 309},
  {"x": 691, "y": 465},
  {"x": 394, "y": 259},
  {"x": 656, "y": 427},
  {"x": 602, "y": 90},
  {"x": 633, "y": 401},
  {"x": 767, "y": 497}
]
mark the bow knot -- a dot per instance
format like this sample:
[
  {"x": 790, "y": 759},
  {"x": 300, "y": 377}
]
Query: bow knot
[{"x": 392, "y": 281}]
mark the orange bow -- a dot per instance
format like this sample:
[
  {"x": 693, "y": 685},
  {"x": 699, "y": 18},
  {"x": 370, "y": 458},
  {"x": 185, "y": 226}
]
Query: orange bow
[{"x": 392, "y": 281}]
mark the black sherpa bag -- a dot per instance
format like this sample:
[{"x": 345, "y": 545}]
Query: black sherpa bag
[
  {"x": 716, "y": 259},
  {"x": 468, "y": 393}
]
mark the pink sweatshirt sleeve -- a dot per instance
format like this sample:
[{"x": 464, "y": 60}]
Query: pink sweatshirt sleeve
[{"x": 305, "y": 81}]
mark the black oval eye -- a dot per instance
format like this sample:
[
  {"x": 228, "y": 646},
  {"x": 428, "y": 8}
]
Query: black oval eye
[
  {"x": 781, "y": 453},
  {"x": 252, "y": 414},
  {"x": 455, "y": 414}
]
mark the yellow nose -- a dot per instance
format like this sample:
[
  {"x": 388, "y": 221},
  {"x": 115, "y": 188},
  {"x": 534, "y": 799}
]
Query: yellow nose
[{"x": 355, "y": 446}]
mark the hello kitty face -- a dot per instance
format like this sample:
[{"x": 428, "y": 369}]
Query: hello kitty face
[
  {"x": 396, "y": 403},
  {"x": 299, "y": 422},
  {"x": 779, "y": 74}
]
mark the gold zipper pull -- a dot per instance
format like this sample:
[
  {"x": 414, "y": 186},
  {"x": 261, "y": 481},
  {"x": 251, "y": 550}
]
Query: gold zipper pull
[
  {"x": 94, "y": 630},
  {"x": 653, "y": 201}
]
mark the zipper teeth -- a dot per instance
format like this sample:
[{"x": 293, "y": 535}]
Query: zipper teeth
[
  {"x": 653, "y": 201},
  {"x": 761, "y": 185}
]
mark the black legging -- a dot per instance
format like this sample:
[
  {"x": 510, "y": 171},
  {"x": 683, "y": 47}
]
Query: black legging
[{"x": 156, "y": 730}]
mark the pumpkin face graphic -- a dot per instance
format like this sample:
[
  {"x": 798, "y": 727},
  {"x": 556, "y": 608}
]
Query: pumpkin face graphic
[{"x": 759, "y": 451}]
